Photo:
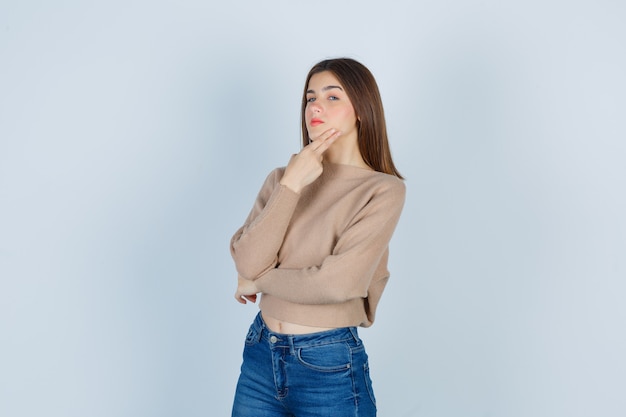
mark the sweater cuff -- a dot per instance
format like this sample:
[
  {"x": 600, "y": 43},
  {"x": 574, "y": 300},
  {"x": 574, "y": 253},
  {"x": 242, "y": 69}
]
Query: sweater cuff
[{"x": 286, "y": 196}]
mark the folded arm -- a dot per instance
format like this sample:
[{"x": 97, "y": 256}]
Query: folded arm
[
  {"x": 254, "y": 247},
  {"x": 348, "y": 271}
]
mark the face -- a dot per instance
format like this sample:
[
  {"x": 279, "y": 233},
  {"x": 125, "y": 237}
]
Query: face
[{"x": 328, "y": 106}]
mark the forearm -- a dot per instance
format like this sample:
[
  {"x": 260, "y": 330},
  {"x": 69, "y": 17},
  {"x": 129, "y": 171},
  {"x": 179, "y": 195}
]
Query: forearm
[
  {"x": 255, "y": 246},
  {"x": 335, "y": 281}
]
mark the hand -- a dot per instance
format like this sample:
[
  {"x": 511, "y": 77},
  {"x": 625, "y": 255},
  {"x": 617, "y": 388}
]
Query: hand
[
  {"x": 246, "y": 290},
  {"x": 305, "y": 167}
]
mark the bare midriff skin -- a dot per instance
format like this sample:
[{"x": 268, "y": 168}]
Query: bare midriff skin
[{"x": 284, "y": 327}]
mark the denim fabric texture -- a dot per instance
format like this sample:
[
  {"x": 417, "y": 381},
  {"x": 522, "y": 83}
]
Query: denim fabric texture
[{"x": 323, "y": 374}]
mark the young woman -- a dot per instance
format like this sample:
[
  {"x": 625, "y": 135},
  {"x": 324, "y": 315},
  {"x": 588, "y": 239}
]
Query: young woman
[{"x": 315, "y": 246}]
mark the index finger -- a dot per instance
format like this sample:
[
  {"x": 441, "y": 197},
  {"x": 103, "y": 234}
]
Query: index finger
[
  {"x": 320, "y": 145},
  {"x": 322, "y": 136}
]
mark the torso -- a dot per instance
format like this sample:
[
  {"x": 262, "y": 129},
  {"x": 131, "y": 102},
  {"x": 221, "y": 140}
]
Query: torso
[
  {"x": 284, "y": 327},
  {"x": 340, "y": 194}
]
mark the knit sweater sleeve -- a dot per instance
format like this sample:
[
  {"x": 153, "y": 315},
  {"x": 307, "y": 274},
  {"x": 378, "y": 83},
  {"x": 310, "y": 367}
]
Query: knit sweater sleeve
[
  {"x": 348, "y": 271},
  {"x": 254, "y": 247}
]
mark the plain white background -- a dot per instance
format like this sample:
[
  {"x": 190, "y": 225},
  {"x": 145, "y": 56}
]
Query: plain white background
[{"x": 134, "y": 136}]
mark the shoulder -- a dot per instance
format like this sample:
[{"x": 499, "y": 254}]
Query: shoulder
[
  {"x": 362, "y": 183},
  {"x": 277, "y": 172},
  {"x": 274, "y": 176},
  {"x": 380, "y": 192},
  {"x": 376, "y": 179},
  {"x": 382, "y": 197},
  {"x": 387, "y": 184}
]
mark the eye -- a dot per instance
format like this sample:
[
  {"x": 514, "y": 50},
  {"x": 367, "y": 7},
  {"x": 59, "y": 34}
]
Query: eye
[
  {"x": 333, "y": 98},
  {"x": 310, "y": 99}
]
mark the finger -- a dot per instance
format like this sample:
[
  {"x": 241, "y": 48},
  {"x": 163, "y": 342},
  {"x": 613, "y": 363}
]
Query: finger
[
  {"x": 242, "y": 297},
  {"x": 325, "y": 144},
  {"x": 325, "y": 134}
]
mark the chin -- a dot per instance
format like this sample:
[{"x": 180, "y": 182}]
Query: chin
[{"x": 313, "y": 132}]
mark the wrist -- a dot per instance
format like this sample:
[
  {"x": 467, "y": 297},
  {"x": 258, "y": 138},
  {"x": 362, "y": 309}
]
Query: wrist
[{"x": 291, "y": 185}]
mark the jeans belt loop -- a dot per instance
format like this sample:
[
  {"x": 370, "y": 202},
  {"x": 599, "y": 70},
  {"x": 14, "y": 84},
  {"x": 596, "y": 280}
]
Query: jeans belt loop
[
  {"x": 355, "y": 335},
  {"x": 292, "y": 349}
]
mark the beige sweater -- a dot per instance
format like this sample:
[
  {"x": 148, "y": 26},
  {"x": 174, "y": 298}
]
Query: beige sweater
[{"x": 320, "y": 257}]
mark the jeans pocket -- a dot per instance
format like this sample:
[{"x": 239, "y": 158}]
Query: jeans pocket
[
  {"x": 326, "y": 358},
  {"x": 253, "y": 336}
]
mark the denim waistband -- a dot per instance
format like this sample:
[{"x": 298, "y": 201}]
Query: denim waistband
[{"x": 304, "y": 340}]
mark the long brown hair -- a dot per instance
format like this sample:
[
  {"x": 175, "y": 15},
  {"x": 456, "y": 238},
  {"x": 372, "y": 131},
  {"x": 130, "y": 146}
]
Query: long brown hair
[{"x": 362, "y": 90}]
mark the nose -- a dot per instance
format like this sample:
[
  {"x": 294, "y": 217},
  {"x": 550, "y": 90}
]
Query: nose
[{"x": 314, "y": 107}]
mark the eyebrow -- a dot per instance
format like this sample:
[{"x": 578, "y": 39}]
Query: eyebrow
[{"x": 328, "y": 87}]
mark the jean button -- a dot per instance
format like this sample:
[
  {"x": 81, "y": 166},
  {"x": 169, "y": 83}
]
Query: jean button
[{"x": 273, "y": 339}]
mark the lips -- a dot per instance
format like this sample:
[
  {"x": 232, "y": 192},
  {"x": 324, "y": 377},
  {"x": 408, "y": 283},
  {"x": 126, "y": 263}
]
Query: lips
[{"x": 316, "y": 122}]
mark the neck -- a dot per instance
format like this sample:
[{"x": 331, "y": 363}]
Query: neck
[{"x": 345, "y": 151}]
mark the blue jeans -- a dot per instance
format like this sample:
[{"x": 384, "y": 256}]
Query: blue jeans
[{"x": 323, "y": 374}]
